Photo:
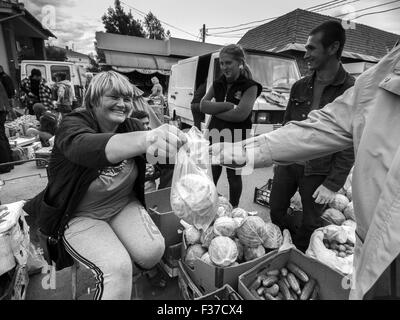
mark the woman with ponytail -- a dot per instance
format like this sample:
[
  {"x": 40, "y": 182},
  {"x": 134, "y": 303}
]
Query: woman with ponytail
[{"x": 235, "y": 93}]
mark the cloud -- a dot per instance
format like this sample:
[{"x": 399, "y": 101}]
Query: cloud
[{"x": 69, "y": 27}]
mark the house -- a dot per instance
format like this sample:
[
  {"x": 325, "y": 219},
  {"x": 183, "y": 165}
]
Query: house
[
  {"x": 141, "y": 59},
  {"x": 83, "y": 60},
  {"x": 21, "y": 37},
  {"x": 288, "y": 34}
]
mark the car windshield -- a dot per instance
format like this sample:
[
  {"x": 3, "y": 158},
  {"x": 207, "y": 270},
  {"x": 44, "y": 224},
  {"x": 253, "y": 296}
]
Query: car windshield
[{"x": 273, "y": 73}]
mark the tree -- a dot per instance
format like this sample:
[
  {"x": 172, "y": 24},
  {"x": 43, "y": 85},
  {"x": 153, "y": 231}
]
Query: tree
[
  {"x": 55, "y": 54},
  {"x": 116, "y": 20},
  {"x": 154, "y": 28}
]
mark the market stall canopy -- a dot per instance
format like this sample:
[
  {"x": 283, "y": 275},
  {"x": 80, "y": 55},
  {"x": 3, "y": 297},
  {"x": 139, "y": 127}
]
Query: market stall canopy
[{"x": 128, "y": 53}]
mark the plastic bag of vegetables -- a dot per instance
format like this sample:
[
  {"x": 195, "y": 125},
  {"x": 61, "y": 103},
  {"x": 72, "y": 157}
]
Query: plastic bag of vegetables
[
  {"x": 334, "y": 246},
  {"x": 194, "y": 197}
]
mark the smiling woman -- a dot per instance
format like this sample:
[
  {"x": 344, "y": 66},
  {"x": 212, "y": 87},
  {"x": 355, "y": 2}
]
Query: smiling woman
[{"x": 93, "y": 208}]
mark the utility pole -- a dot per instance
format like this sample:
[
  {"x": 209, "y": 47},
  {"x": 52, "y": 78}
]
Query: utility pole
[{"x": 203, "y": 33}]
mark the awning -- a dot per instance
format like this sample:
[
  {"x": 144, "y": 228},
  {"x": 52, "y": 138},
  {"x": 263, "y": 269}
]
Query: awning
[
  {"x": 143, "y": 71},
  {"x": 148, "y": 64}
]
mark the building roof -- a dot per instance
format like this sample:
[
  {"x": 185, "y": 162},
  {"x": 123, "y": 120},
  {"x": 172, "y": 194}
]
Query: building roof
[
  {"x": 290, "y": 32},
  {"x": 128, "y": 53},
  {"x": 72, "y": 54}
]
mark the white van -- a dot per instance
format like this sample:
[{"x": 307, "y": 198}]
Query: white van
[
  {"x": 275, "y": 72},
  {"x": 75, "y": 73}
]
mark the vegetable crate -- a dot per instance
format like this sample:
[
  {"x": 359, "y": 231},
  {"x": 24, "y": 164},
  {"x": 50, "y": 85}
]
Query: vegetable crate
[
  {"x": 159, "y": 207},
  {"x": 210, "y": 278},
  {"x": 262, "y": 195},
  {"x": 329, "y": 280},
  {"x": 188, "y": 289},
  {"x": 42, "y": 157},
  {"x": 225, "y": 293}
]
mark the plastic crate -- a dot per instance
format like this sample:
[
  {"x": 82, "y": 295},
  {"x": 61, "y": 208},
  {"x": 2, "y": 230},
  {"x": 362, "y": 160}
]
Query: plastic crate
[{"x": 262, "y": 195}]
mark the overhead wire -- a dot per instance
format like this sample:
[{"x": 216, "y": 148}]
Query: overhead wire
[{"x": 170, "y": 25}]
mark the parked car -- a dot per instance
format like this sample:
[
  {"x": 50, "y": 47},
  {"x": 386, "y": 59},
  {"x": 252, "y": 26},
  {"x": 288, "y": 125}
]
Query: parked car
[
  {"x": 75, "y": 73},
  {"x": 275, "y": 72}
]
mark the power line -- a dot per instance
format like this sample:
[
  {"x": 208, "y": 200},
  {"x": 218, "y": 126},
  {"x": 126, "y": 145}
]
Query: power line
[
  {"x": 371, "y": 13},
  {"x": 262, "y": 20},
  {"x": 340, "y": 5},
  {"x": 376, "y": 6},
  {"x": 323, "y": 4},
  {"x": 170, "y": 25}
]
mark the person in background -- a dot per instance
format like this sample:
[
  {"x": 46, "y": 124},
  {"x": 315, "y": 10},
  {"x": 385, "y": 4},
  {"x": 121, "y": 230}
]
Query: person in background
[
  {"x": 235, "y": 93},
  {"x": 9, "y": 87},
  {"x": 152, "y": 172},
  {"x": 319, "y": 179},
  {"x": 65, "y": 96},
  {"x": 47, "y": 129},
  {"x": 198, "y": 116},
  {"x": 37, "y": 92},
  {"x": 5, "y": 150},
  {"x": 89, "y": 77},
  {"x": 157, "y": 91}
]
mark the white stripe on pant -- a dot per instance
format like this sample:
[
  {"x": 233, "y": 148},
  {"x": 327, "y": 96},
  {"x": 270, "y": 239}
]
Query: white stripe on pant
[{"x": 109, "y": 247}]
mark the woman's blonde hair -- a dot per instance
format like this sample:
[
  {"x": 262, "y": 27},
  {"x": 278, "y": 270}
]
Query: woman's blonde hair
[
  {"x": 237, "y": 53},
  {"x": 103, "y": 82}
]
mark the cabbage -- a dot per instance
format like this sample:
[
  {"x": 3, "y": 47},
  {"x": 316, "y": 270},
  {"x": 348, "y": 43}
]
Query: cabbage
[
  {"x": 224, "y": 207},
  {"x": 295, "y": 202},
  {"x": 240, "y": 249},
  {"x": 239, "y": 213},
  {"x": 274, "y": 239},
  {"x": 334, "y": 216},
  {"x": 206, "y": 258},
  {"x": 349, "y": 193},
  {"x": 349, "y": 212},
  {"x": 194, "y": 199},
  {"x": 238, "y": 222},
  {"x": 340, "y": 202},
  {"x": 192, "y": 235},
  {"x": 225, "y": 226},
  {"x": 350, "y": 223},
  {"x": 223, "y": 251},
  {"x": 253, "y": 253},
  {"x": 193, "y": 252},
  {"x": 252, "y": 232},
  {"x": 207, "y": 236}
]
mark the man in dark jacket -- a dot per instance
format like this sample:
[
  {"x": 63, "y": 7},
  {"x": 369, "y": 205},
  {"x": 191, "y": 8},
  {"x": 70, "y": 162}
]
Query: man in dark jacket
[
  {"x": 5, "y": 150},
  {"x": 318, "y": 180}
]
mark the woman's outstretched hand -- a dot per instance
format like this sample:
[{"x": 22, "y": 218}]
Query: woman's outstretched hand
[
  {"x": 163, "y": 143},
  {"x": 231, "y": 155}
]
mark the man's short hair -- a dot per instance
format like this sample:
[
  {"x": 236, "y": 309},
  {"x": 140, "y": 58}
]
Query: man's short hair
[
  {"x": 62, "y": 76},
  {"x": 36, "y": 72},
  {"x": 140, "y": 114},
  {"x": 331, "y": 31}
]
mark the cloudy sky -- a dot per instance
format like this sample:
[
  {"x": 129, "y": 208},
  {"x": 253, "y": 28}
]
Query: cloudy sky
[{"x": 76, "y": 21}]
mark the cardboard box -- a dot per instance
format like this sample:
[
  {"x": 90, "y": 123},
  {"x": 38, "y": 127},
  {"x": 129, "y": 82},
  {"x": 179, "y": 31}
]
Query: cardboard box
[
  {"x": 329, "y": 280},
  {"x": 211, "y": 278},
  {"x": 225, "y": 293},
  {"x": 188, "y": 289},
  {"x": 159, "y": 207}
]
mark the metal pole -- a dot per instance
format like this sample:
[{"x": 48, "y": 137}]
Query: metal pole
[{"x": 204, "y": 33}]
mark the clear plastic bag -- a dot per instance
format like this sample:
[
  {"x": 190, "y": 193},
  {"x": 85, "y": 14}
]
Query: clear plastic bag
[{"x": 194, "y": 197}]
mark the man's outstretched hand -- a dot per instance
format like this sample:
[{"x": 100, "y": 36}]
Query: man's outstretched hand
[{"x": 231, "y": 155}]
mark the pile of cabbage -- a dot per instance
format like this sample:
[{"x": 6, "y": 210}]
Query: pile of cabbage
[
  {"x": 341, "y": 210},
  {"x": 236, "y": 236}
]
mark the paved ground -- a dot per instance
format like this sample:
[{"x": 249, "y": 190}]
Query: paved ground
[{"x": 25, "y": 181}]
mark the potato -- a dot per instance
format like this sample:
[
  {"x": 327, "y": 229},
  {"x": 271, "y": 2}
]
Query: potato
[
  {"x": 342, "y": 254},
  {"x": 341, "y": 248}
]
